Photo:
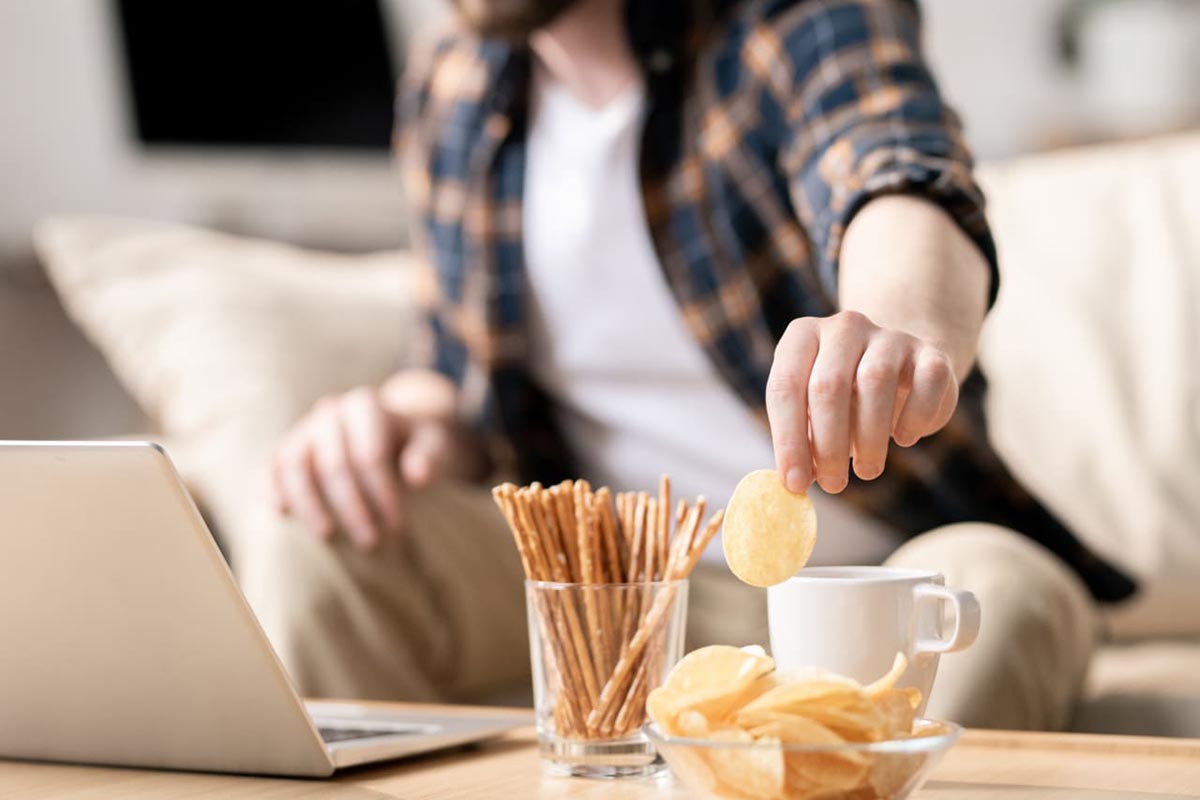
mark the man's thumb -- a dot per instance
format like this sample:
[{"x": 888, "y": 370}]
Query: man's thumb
[{"x": 424, "y": 455}]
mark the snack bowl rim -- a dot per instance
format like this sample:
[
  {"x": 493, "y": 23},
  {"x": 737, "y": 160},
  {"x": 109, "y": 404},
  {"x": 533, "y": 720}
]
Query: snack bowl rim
[{"x": 915, "y": 744}]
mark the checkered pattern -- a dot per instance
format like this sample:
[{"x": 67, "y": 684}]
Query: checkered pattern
[{"x": 770, "y": 124}]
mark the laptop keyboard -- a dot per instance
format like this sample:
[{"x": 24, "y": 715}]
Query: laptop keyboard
[{"x": 330, "y": 735}]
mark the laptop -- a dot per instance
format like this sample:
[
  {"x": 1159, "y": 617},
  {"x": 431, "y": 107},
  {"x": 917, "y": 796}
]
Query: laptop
[{"x": 124, "y": 639}]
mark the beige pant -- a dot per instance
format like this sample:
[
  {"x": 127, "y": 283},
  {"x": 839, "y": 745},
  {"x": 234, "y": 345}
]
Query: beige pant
[{"x": 439, "y": 614}]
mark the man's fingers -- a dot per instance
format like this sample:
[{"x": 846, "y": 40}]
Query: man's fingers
[
  {"x": 425, "y": 454},
  {"x": 830, "y": 390},
  {"x": 875, "y": 387},
  {"x": 787, "y": 403},
  {"x": 279, "y": 498},
  {"x": 299, "y": 487},
  {"x": 338, "y": 480},
  {"x": 927, "y": 407},
  {"x": 373, "y": 454}
]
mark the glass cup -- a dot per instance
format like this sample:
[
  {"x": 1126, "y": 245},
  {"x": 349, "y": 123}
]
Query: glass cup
[{"x": 597, "y": 650}]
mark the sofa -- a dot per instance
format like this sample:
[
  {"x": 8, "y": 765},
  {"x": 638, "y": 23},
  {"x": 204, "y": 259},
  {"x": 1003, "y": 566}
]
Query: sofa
[{"x": 1092, "y": 352}]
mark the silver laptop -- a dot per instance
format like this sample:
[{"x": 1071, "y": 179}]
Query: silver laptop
[{"x": 124, "y": 639}]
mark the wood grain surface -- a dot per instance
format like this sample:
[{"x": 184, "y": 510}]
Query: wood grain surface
[{"x": 984, "y": 765}]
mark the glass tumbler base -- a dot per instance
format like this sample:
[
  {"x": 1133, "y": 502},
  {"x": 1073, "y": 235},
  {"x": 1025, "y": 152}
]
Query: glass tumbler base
[{"x": 634, "y": 757}]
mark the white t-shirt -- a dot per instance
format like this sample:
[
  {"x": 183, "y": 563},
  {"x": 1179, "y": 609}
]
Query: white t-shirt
[{"x": 636, "y": 394}]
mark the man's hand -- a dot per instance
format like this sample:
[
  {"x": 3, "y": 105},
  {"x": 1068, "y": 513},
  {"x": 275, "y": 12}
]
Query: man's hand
[
  {"x": 913, "y": 289},
  {"x": 841, "y": 387},
  {"x": 344, "y": 466}
]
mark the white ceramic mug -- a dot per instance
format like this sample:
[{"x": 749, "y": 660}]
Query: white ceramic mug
[{"x": 853, "y": 621}]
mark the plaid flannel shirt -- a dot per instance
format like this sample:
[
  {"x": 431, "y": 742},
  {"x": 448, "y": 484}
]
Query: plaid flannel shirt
[{"x": 769, "y": 124}]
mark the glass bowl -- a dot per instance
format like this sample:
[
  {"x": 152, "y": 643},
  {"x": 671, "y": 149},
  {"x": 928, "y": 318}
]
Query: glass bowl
[{"x": 888, "y": 770}]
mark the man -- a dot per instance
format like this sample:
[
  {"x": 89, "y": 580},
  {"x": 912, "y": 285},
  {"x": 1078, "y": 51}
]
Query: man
[{"x": 693, "y": 238}]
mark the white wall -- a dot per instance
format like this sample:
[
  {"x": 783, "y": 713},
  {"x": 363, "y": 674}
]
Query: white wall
[
  {"x": 995, "y": 60},
  {"x": 64, "y": 146}
]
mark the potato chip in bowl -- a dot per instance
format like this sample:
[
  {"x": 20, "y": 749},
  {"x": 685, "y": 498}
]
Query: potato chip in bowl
[{"x": 730, "y": 726}]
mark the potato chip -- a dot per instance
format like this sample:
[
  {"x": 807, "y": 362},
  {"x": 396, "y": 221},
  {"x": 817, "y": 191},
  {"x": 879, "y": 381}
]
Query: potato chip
[
  {"x": 691, "y": 767},
  {"x": 892, "y": 772},
  {"x": 797, "y": 698},
  {"x": 713, "y": 681},
  {"x": 692, "y": 724},
  {"x": 931, "y": 728},
  {"x": 751, "y": 771},
  {"x": 899, "y": 664},
  {"x": 769, "y": 532},
  {"x": 793, "y": 729},
  {"x": 899, "y": 711},
  {"x": 829, "y": 771}
]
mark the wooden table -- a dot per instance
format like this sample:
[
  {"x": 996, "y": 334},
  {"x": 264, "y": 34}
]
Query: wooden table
[{"x": 984, "y": 765}]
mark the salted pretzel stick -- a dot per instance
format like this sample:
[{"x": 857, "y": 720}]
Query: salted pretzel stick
[
  {"x": 561, "y": 497},
  {"x": 562, "y": 660},
  {"x": 627, "y": 522},
  {"x": 615, "y": 573},
  {"x": 635, "y": 570},
  {"x": 502, "y": 494},
  {"x": 546, "y": 522},
  {"x": 636, "y": 558},
  {"x": 552, "y": 543},
  {"x": 650, "y": 623},
  {"x": 645, "y": 522},
  {"x": 633, "y": 711},
  {"x": 687, "y": 532},
  {"x": 587, "y": 673},
  {"x": 543, "y": 506},
  {"x": 614, "y": 558},
  {"x": 590, "y": 571},
  {"x": 603, "y": 597},
  {"x": 664, "y": 522},
  {"x": 650, "y": 545}
]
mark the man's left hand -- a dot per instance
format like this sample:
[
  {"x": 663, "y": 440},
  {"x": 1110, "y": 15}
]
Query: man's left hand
[{"x": 841, "y": 387}]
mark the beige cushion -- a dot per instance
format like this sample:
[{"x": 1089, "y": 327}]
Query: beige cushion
[
  {"x": 1149, "y": 688},
  {"x": 226, "y": 341},
  {"x": 1094, "y": 356}
]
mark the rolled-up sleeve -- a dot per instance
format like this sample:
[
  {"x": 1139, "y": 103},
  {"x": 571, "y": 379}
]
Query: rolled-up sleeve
[{"x": 865, "y": 118}]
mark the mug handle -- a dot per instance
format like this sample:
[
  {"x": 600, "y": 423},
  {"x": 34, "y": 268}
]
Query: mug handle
[{"x": 966, "y": 618}]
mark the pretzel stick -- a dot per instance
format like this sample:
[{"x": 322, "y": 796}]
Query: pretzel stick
[
  {"x": 615, "y": 573},
  {"x": 650, "y": 623},
  {"x": 650, "y": 545},
  {"x": 627, "y": 521},
  {"x": 552, "y": 542},
  {"x": 664, "y": 522},
  {"x": 687, "y": 532},
  {"x": 562, "y": 661},
  {"x": 590, "y": 569},
  {"x": 502, "y": 494},
  {"x": 633, "y": 711},
  {"x": 636, "y": 565},
  {"x": 560, "y": 497},
  {"x": 585, "y": 664},
  {"x": 646, "y": 537},
  {"x": 603, "y": 596},
  {"x": 612, "y": 540},
  {"x": 636, "y": 558}
]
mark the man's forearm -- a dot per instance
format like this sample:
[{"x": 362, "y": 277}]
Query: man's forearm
[{"x": 907, "y": 266}]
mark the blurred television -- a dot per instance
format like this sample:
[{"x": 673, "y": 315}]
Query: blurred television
[{"x": 281, "y": 74}]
